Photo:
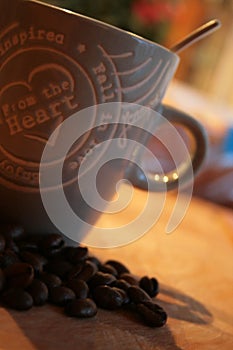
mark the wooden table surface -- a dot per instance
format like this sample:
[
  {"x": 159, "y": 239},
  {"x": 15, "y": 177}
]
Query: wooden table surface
[{"x": 194, "y": 265}]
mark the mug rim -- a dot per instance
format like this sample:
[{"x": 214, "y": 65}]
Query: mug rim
[{"x": 106, "y": 25}]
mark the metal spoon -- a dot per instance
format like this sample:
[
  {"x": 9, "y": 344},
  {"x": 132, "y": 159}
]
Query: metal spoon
[{"x": 196, "y": 35}]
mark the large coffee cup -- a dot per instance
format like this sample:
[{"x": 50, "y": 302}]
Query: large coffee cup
[{"x": 68, "y": 84}]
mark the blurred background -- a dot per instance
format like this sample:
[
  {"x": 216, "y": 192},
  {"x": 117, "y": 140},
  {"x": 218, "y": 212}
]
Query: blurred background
[
  {"x": 203, "y": 84},
  {"x": 206, "y": 65}
]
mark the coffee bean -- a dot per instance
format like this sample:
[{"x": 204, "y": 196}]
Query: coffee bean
[
  {"x": 94, "y": 260},
  {"x": 118, "y": 266},
  {"x": 106, "y": 268},
  {"x": 137, "y": 295},
  {"x": 122, "y": 284},
  {"x": 37, "y": 261},
  {"x": 81, "y": 308},
  {"x": 80, "y": 254},
  {"x": 149, "y": 285},
  {"x": 107, "y": 297},
  {"x": 50, "y": 280},
  {"x": 75, "y": 271},
  {"x": 39, "y": 292},
  {"x": 28, "y": 246},
  {"x": 51, "y": 244},
  {"x": 8, "y": 258},
  {"x": 101, "y": 278},
  {"x": 67, "y": 252},
  {"x": 17, "y": 298},
  {"x": 125, "y": 298},
  {"x": 129, "y": 278},
  {"x": 11, "y": 245},
  {"x": 2, "y": 243},
  {"x": 152, "y": 314},
  {"x": 88, "y": 271},
  {"x": 19, "y": 275},
  {"x": 69, "y": 276},
  {"x": 30, "y": 242},
  {"x": 61, "y": 268},
  {"x": 61, "y": 295},
  {"x": 75, "y": 254},
  {"x": 2, "y": 280},
  {"x": 14, "y": 231},
  {"x": 79, "y": 287}
]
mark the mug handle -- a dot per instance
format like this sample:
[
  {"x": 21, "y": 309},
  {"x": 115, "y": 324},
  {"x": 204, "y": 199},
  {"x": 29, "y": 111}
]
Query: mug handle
[{"x": 157, "y": 182}]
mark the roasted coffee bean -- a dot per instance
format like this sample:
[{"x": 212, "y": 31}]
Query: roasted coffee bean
[
  {"x": 79, "y": 287},
  {"x": 101, "y": 278},
  {"x": 14, "y": 231},
  {"x": 52, "y": 241},
  {"x": 149, "y": 285},
  {"x": 75, "y": 271},
  {"x": 108, "y": 269},
  {"x": 138, "y": 295},
  {"x": 37, "y": 261},
  {"x": 19, "y": 275},
  {"x": 69, "y": 276},
  {"x": 94, "y": 260},
  {"x": 122, "y": 284},
  {"x": 50, "y": 280},
  {"x": 51, "y": 244},
  {"x": 11, "y": 245},
  {"x": 67, "y": 252},
  {"x": 75, "y": 254},
  {"x": 125, "y": 297},
  {"x": 88, "y": 271},
  {"x": 129, "y": 278},
  {"x": 152, "y": 314},
  {"x": 2, "y": 280},
  {"x": 61, "y": 295},
  {"x": 81, "y": 308},
  {"x": 17, "y": 298},
  {"x": 28, "y": 246},
  {"x": 31, "y": 242},
  {"x": 118, "y": 266},
  {"x": 60, "y": 268},
  {"x": 39, "y": 292},
  {"x": 2, "y": 243},
  {"x": 8, "y": 258},
  {"x": 107, "y": 297}
]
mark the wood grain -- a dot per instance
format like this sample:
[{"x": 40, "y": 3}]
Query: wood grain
[{"x": 194, "y": 265}]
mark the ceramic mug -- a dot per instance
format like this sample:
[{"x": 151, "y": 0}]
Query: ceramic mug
[{"x": 55, "y": 64}]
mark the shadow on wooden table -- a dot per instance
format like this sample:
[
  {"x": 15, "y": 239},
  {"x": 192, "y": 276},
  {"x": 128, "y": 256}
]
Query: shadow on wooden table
[
  {"x": 183, "y": 307},
  {"x": 47, "y": 328}
]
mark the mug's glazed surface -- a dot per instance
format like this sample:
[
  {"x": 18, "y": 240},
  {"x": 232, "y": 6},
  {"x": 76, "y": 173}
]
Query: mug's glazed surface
[{"x": 54, "y": 63}]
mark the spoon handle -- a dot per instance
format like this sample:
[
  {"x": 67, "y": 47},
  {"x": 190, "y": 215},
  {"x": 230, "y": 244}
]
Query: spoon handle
[{"x": 196, "y": 35}]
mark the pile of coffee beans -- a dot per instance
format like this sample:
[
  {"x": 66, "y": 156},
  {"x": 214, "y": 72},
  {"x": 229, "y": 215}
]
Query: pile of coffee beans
[{"x": 39, "y": 269}]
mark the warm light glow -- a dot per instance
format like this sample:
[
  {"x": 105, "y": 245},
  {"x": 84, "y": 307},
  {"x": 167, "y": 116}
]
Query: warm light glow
[
  {"x": 157, "y": 177},
  {"x": 165, "y": 179},
  {"x": 175, "y": 176}
]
